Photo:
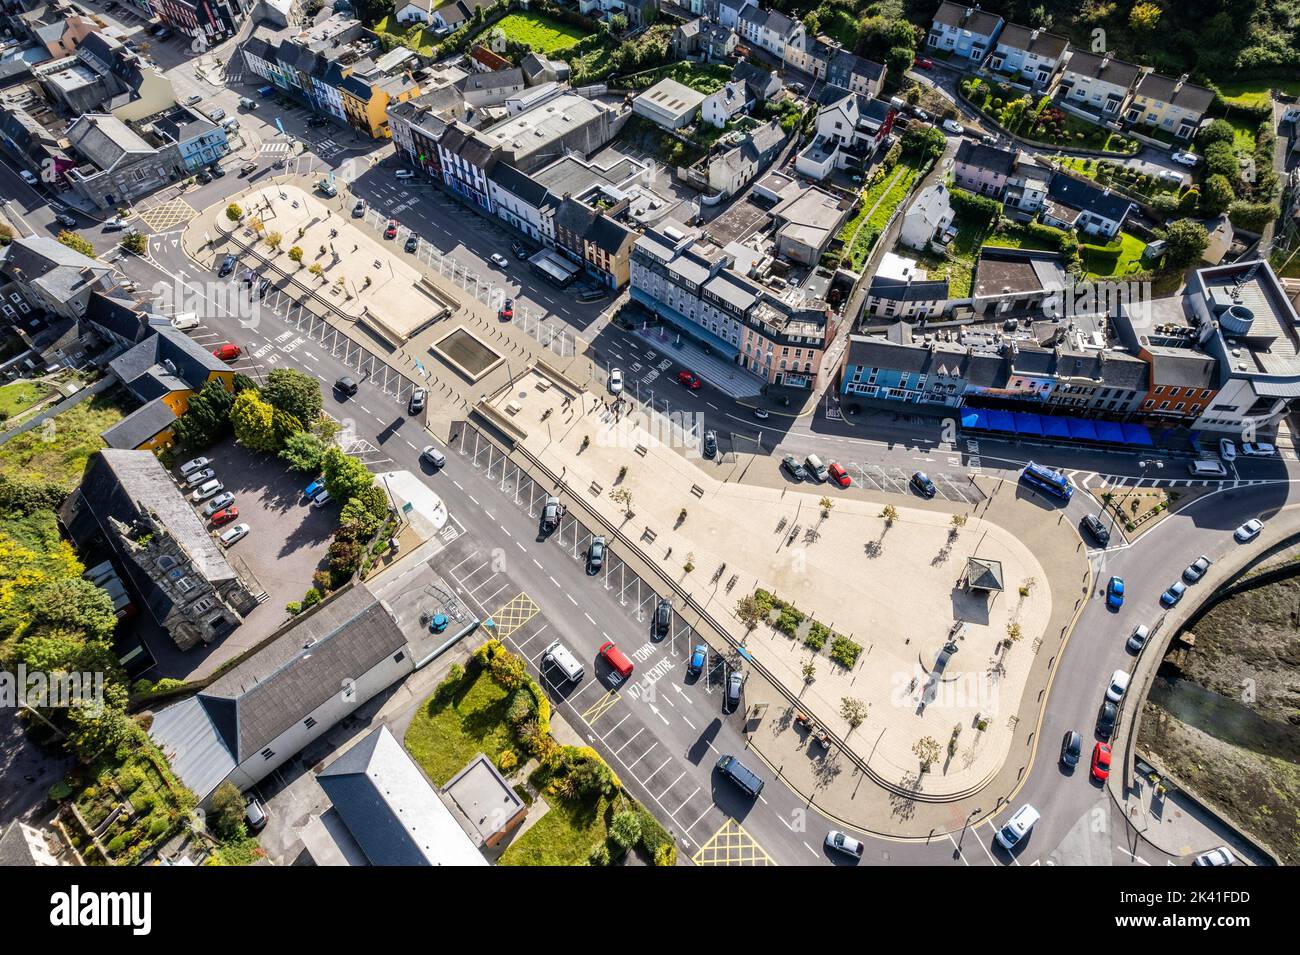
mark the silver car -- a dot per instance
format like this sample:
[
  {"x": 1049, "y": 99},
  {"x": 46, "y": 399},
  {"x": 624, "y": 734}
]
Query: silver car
[
  {"x": 1196, "y": 569},
  {"x": 218, "y": 503},
  {"x": 200, "y": 477}
]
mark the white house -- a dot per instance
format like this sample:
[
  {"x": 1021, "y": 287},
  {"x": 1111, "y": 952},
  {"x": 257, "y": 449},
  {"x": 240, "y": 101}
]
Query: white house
[
  {"x": 729, "y": 12},
  {"x": 769, "y": 29},
  {"x": 849, "y": 129},
  {"x": 668, "y": 104},
  {"x": 927, "y": 218},
  {"x": 1078, "y": 204},
  {"x": 964, "y": 30},
  {"x": 728, "y": 102},
  {"x": 902, "y": 290},
  {"x": 1099, "y": 83},
  {"x": 1033, "y": 55},
  {"x": 731, "y": 171}
]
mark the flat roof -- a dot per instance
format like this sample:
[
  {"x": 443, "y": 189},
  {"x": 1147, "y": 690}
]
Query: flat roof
[{"x": 485, "y": 800}]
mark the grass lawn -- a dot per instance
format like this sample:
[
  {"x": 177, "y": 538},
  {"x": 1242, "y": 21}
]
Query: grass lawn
[
  {"x": 1243, "y": 133},
  {"x": 540, "y": 32},
  {"x": 1116, "y": 259},
  {"x": 958, "y": 267},
  {"x": 444, "y": 737},
  {"x": 413, "y": 35},
  {"x": 18, "y": 396},
  {"x": 1254, "y": 92},
  {"x": 1013, "y": 238},
  {"x": 59, "y": 454},
  {"x": 704, "y": 77},
  {"x": 564, "y": 835},
  {"x": 878, "y": 204}
]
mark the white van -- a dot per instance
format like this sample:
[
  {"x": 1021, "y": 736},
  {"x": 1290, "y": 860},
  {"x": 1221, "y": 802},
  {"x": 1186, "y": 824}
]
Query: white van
[
  {"x": 185, "y": 320},
  {"x": 563, "y": 658},
  {"x": 815, "y": 467},
  {"x": 217, "y": 114},
  {"x": 1017, "y": 827},
  {"x": 1207, "y": 469},
  {"x": 246, "y": 103},
  {"x": 230, "y": 123}
]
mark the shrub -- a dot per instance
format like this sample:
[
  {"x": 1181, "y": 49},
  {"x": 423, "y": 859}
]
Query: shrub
[
  {"x": 599, "y": 855},
  {"x": 625, "y": 830},
  {"x": 522, "y": 708},
  {"x": 817, "y": 635},
  {"x": 789, "y": 621},
  {"x": 845, "y": 652},
  {"x": 507, "y": 760},
  {"x": 234, "y": 213}
]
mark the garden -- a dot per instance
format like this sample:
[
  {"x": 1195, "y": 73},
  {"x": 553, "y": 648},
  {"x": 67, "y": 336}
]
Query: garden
[
  {"x": 492, "y": 706},
  {"x": 1139, "y": 185},
  {"x": 1041, "y": 122},
  {"x": 889, "y": 189},
  {"x": 58, "y": 452},
  {"x": 537, "y": 31},
  {"x": 19, "y": 396}
]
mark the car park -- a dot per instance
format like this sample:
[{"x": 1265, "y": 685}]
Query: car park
[
  {"x": 1173, "y": 594},
  {"x": 924, "y": 486},
  {"x": 1106, "y": 718},
  {"x": 227, "y": 352},
  {"x": 433, "y": 456},
  {"x": 1248, "y": 531},
  {"x": 699, "y": 656},
  {"x": 201, "y": 476},
  {"x": 227, "y": 266},
  {"x": 1017, "y": 827},
  {"x": 225, "y": 516},
  {"x": 1093, "y": 524},
  {"x": 189, "y": 467},
  {"x": 953, "y": 127},
  {"x": 219, "y": 503},
  {"x": 846, "y": 844},
  {"x": 391, "y": 231},
  {"x": 499, "y": 260},
  {"x": 1186, "y": 158},
  {"x": 1221, "y": 856},
  {"x": 689, "y": 379},
  {"x": 205, "y": 491},
  {"x": 1115, "y": 593},
  {"x": 792, "y": 465},
  {"x": 710, "y": 446},
  {"x": 1196, "y": 569},
  {"x": 552, "y": 511},
  {"x": 596, "y": 554},
  {"x": 1071, "y": 748},
  {"x": 346, "y": 386},
  {"x": 615, "y": 381},
  {"x": 232, "y": 534},
  {"x": 1101, "y": 762},
  {"x": 1258, "y": 449},
  {"x": 835, "y": 471},
  {"x": 1227, "y": 450},
  {"x": 412, "y": 242},
  {"x": 1138, "y": 638},
  {"x": 617, "y": 660},
  {"x": 1118, "y": 686}
]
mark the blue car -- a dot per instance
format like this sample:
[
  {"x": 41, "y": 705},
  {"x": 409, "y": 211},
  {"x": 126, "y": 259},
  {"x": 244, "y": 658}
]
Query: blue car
[
  {"x": 314, "y": 488},
  {"x": 1115, "y": 593},
  {"x": 696, "y": 665},
  {"x": 1173, "y": 594}
]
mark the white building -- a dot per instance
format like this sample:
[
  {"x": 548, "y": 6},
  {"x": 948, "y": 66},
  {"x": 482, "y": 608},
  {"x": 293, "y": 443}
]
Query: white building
[
  {"x": 668, "y": 104},
  {"x": 927, "y": 218},
  {"x": 727, "y": 103}
]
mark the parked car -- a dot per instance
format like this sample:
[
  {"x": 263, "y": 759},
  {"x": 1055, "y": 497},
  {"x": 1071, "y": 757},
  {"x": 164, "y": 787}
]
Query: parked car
[
  {"x": 1258, "y": 449},
  {"x": 327, "y": 189},
  {"x": 735, "y": 686},
  {"x": 1173, "y": 594},
  {"x": 710, "y": 444},
  {"x": 232, "y": 534},
  {"x": 1216, "y": 857},
  {"x": 1017, "y": 827},
  {"x": 761, "y": 414},
  {"x": 1196, "y": 569},
  {"x": 1106, "y": 718},
  {"x": 227, "y": 266},
  {"x": 590, "y": 295},
  {"x": 1170, "y": 177},
  {"x": 216, "y": 170},
  {"x": 923, "y": 63},
  {"x": 499, "y": 260},
  {"x": 1115, "y": 593},
  {"x": 615, "y": 381},
  {"x": 415, "y": 404},
  {"x": 1118, "y": 685},
  {"x": 405, "y": 174},
  {"x": 255, "y": 815},
  {"x": 317, "y": 121},
  {"x": 321, "y": 499},
  {"x": 921, "y": 481},
  {"x": 359, "y": 209},
  {"x": 205, "y": 491},
  {"x": 27, "y": 177},
  {"x": 596, "y": 554},
  {"x": 1138, "y": 638},
  {"x": 791, "y": 464},
  {"x": 219, "y": 503},
  {"x": 1227, "y": 450},
  {"x": 844, "y": 843},
  {"x": 201, "y": 476},
  {"x": 920, "y": 114},
  {"x": 189, "y": 467},
  {"x": 263, "y": 287},
  {"x": 412, "y": 242},
  {"x": 346, "y": 386},
  {"x": 953, "y": 127},
  {"x": 1097, "y": 529},
  {"x": 225, "y": 516},
  {"x": 1101, "y": 762},
  {"x": 663, "y": 617},
  {"x": 506, "y": 312},
  {"x": 1248, "y": 531},
  {"x": 65, "y": 219},
  {"x": 552, "y": 511},
  {"x": 248, "y": 168},
  {"x": 391, "y": 231},
  {"x": 699, "y": 656},
  {"x": 227, "y": 352},
  {"x": 689, "y": 379},
  {"x": 1071, "y": 748},
  {"x": 314, "y": 488},
  {"x": 835, "y": 471},
  {"x": 1186, "y": 158}
]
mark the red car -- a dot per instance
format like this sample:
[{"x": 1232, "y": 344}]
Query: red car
[
  {"x": 689, "y": 379},
  {"x": 923, "y": 63},
  {"x": 838, "y": 474},
  {"x": 227, "y": 352},
  {"x": 225, "y": 516},
  {"x": 391, "y": 231},
  {"x": 507, "y": 311},
  {"x": 1101, "y": 762}
]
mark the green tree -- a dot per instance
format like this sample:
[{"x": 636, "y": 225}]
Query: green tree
[
  {"x": 207, "y": 419},
  {"x": 625, "y": 830},
  {"x": 1187, "y": 239},
  {"x": 99, "y": 726},
  {"x": 1220, "y": 158},
  {"x": 926, "y": 749},
  {"x": 294, "y": 392},
  {"x": 1144, "y": 17},
  {"x": 302, "y": 452},
  {"x": 77, "y": 243},
  {"x": 68, "y": 651},
  {"x": 618, "y": 23},
  {"x": 812, "y": 23},
  {"x": 1216, "y": 195},
  {"x": 136, "y": 243},
  {"x": 924, "y": 144},
  {"x": 226, "y": 817},
  {"x": 69, "y": 603},
  {"x": 234, "y": 213},
  {"x": 356, "y": 514},
  {"x": 252, "y": 419},
  {"x": 1218, "y": 131},
  {"x": 345, "y": 476},
  {"x": 296, "y": 254},
  {"x": 853, "y": 712}
]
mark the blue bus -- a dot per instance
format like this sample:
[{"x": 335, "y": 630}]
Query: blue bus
[{"x": 1045, "y": 479}]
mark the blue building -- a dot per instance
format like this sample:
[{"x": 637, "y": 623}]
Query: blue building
[
  {"x": 965, "y": 31},
  {"x": 893, "y": 367},
  {"x": 201, "y": 142}
]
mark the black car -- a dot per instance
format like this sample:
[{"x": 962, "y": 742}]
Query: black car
[
  {"x": 792, "y": 465},
  {"x": 412, "y": 243},
  {"x": 710, "y": 443},
  {"x": 203, "y": 177},
  {"x": 317, "y": 121},
  {"x": 552, "y": 511},
  {"x": 1097, "y": 529},
  {"x": 262, "y": 287},
  {"x": 519, "y": 249},
  {"x": 216, "y": 170},
  {"x": 416, "y": 403},
  {"x": 1106, "y": 718},
  {"x": 227, "y": 266},
  {"x": 596, "y": 555},
  {"x": 1071, "y": 748},
  {"x": 346, "y": 386},
  {"x": 590, "y": 295},
  {"x": 663, "y": 617},
  {"x": 359, "y": 209},
  {"x": 923, "y": 484}
]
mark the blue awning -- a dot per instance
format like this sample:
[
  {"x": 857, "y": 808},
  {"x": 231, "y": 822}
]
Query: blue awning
[
  {"x": 1137, "y": 434},
  {"x": 973, "y": 418},
  {"x": 1000, "y": 421},
  {"x": 1110, "y": 432},
  {"x": 1056, "y": 427},
  {"x": 1081, "y": 429},
  {"x": 1028, "y": 424}
]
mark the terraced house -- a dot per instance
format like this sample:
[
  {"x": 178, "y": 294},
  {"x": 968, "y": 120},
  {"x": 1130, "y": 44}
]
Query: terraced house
[
  {"x": 1169, "y": 105},
  {"x": 965, "y": 31},
  {"x": 1030, "y": 55},
  {"x": 1097, "y": 83}
]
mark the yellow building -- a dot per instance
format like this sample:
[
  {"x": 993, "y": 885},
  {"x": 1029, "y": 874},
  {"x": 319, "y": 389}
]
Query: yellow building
[{"x": 366, "y": 98}]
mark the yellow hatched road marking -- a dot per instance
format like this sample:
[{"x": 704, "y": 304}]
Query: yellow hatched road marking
[
  {"x": 601, "y": 706},
  {"x": 731, "y": 845},
  {"x": 514, "y": 613}
]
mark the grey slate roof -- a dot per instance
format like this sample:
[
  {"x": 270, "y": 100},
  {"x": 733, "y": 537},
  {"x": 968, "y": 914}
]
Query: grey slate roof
[
  {"x": 1185, "y": 95},
  {"x": 980, "y": 21},
  {"x": 1086, "y": 197},
  {"x": 900, "y": 290},
  {"x": 167, "y": 352},
  {"x": 971, "y": 153},
  {"x": 1095, "y": 66},
  {"x": 1040, "y": 42},
  {"x": 45, "y": 263},
  {"x": 140, "y": 425}
]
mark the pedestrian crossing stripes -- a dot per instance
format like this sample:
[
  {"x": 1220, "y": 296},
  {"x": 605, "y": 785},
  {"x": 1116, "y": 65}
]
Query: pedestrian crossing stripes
[{"x": 273, "y": 149}]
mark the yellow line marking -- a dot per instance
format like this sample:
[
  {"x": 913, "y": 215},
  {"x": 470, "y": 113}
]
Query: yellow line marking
[
  {"x": 514, "y": 613},
  {"x": 601, "y": 706},
  {"x": 732, "y": 845}
]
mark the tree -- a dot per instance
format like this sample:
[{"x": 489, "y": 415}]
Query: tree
[
  {"x": 274, "y": 239},
  {"x": 316, "y": 270},
  {"x": 77, "y": 243},
  {"x": 625, "y": 830},
  {"x": 234, "y": 213},
  {"x": 809, "y": 671},
  {"x": 295, "y": 254},
  {"x": 294, "y": 392},
  {"x": 226, "y": 817},
  {"x": 927, "y": 143},
  {"x": 1216, "y": 195},
  {"x": 1187, "y": 240},
  {"x": 899, "y": 59},
  {"x": 826, "y": 504},
  {"x": 345, "y": 476},
  {"x": 356, "y": 514},
  {"x": 853, "y": 711},
  {"x": 302, "y": 452},
  {"x": 207, "y": 419},
  {"x": 99, "y": 726},
  {"x": 747, "y": 611},
  {"x": 623, "y": 497},
  {"x": 1144, "y": 16},
  {"x": 1221, "y": 158},
  {"x": 926, "y": 750},
  {"x": 889, "y": 514},
  {"x": 812, "y": 23},
  {"x": 252, "y": 419},
  {"x": 136, "y": 243},
  {"x": 1219, "y": 131},
  {"x": 618, "y": 23},
  {"x": 70, "y": 603}
]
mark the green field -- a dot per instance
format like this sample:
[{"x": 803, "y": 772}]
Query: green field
[
  {"x": 1255, "y": 92},
  {"x": 18, "y": 396},
  {"x": 445, "y": 736},
  {"x": 1118, "y": 258},
  {"x": 539, "y": 32},
  {"x": 58, "y": 453}
]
